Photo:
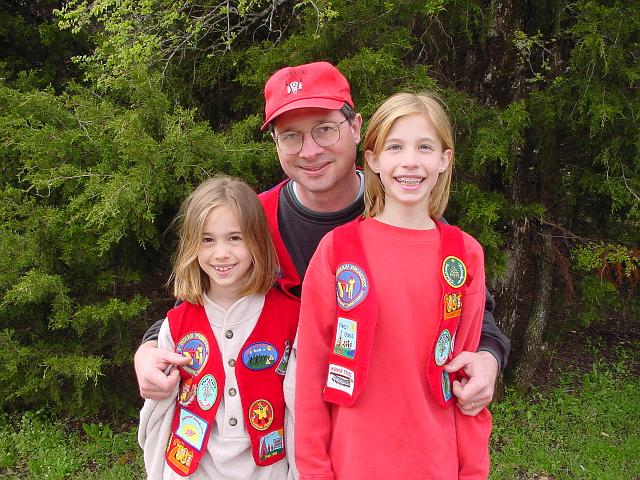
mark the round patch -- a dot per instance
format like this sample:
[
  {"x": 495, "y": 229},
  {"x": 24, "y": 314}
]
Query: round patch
[
  {"x": 352, "y": 286},
  {"x": 195, "y": 346},
  {"x": 260, "y": 356},
  {"x": 207, "y": 392},
  {"x": 260, "y": 415},
  {"x": 446, "y": 386},
  {"x": 443, "y": 347},
  {"x": 454, "y": 271},
  {"x": 187, "y": 392}
]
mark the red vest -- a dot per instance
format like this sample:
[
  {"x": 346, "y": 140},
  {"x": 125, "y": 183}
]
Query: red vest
[
  {"x": 260, "y": 369},
  {"x": 288, "y": 277},
  {"x": 357, "y": 314}
]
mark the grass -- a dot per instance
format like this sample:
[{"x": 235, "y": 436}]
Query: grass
[
  {"x": 34, "y": 446},
  {"x": 585, "y": 428}
]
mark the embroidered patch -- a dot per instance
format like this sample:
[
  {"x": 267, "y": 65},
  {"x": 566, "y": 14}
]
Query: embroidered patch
[
  {"x": 260, "y": 415},
  {"x": 271, "y": 444},
  {"x": 191, "y": 429},
  {"x": 340, "y": 378},
  {"x": 352, "y": 286},
  {"x": 446, "y": 386},
  {"x": 187, "y": 392},
  {"x": 454, "y": 271},
  {"x": 443, "y": 348},
  {"x": 259, "y": 356},
  {"x": 284, "y": 361},
  {"x": 452, "y": 305},
  {"x": 179, "y": 455},
  {"x": 195, "y": 346},
  {"x": 346, "y": 335},
  {"x": 207, "y": 392}
]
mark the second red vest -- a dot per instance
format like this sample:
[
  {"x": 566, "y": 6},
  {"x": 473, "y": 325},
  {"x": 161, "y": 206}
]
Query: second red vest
[
  {"x": 260, "y": 369},
  {"x": 357, "y": 314}
]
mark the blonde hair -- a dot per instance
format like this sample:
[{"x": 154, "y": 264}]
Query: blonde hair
[
  {"x": 395, "y": 107},
  {"x": 189, "y": 281}
]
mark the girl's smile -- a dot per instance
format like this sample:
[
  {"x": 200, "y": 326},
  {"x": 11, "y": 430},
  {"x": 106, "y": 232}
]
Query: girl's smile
[
  {"x": 223, "y": 255},
  {"x": 409, "y": 163}
]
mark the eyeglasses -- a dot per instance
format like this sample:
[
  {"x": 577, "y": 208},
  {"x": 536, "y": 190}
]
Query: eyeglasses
[{"x": 324, "y": 134}]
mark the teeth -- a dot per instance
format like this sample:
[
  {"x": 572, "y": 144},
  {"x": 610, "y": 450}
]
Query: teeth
[
  {"x": 409, "y": 180},
  {"x": 224, "y": 268}
]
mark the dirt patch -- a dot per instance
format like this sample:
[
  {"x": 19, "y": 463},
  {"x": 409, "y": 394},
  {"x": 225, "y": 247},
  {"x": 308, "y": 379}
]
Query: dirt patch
[{"x": 579, "y": 349}]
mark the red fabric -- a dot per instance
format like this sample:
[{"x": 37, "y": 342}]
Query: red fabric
[
  {"x": 188, "y": 319},
  {"x": 396, "y": 429},
  {"x": 288, "y": 275},
  {"x": 277, "y": 327}
]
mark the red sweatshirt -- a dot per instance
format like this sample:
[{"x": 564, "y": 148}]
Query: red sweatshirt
[{"x": 395, "y": 429}]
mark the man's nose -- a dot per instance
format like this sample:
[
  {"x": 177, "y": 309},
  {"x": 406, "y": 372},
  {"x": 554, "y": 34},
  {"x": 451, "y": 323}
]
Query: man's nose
[{"x": 310, "y": 148}]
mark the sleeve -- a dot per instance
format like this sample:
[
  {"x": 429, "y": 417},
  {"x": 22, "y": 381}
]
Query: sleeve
[
  {"x": 472, "y": 433},
  {"x": 156, "y": 418},
  {"x": 492, "y": 340},
  {"x": 153, "y": 332},
  {"x": 313, "y": 414},
  {"x": 289, "y": 386}
]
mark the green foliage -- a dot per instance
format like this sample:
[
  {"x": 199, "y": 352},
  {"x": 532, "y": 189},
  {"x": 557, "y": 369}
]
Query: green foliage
[
  {"x": 34, "y": 52},
  {"x": 90, "y": 189},
  {"x": 612, "y": 281},
  {"x": 588, "y": 432},
  {"x": 160, "y": 33},
  {"x": 546, "y": 129},
  {"x": 36, "y": 446},
  {"x": 599, "y": 299}
]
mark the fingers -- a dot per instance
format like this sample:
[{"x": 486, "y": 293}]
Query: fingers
[
  {"x": 173, "y": 358},
  {"x": 155, "y": 380},
  {"x": 462, "y": 360},
  {"x": 158, "y": 386},
  {"x": 476, "y": 392},
  {"x": 470, "y": 400}
]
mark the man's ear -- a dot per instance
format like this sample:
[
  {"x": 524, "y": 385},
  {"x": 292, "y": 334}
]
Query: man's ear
[
  {"x": 356, "y": 125},
  {"x": 372, "y": 161}
]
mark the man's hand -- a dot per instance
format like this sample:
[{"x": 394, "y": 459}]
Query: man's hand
[
  {"x": 151, "y": 363},
  {"x": 474, "y": 393}
]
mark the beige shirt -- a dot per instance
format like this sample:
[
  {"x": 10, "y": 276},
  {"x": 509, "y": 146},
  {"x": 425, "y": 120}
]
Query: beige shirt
[{"x": 228, "y": 455}]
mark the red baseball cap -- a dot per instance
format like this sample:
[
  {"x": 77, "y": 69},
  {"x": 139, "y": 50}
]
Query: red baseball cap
[{"x": 318, "y": 84}]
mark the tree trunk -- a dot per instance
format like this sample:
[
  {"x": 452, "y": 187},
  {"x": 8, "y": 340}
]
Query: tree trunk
[{"x": 532, "y": 341}]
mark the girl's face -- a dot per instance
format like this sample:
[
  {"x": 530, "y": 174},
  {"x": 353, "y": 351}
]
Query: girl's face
[
  {"x": 409, "y": 163},
  {"x": 223, "y": 255}
]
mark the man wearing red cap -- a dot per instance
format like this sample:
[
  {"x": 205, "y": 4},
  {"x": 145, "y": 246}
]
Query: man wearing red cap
[{"x": 316, "y": 129}]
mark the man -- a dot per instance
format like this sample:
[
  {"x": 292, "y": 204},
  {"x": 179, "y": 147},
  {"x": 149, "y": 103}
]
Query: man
[{"x": 311, "y": 116}]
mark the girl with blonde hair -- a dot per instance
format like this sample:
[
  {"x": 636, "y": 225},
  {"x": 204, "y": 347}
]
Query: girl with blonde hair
[{"x": 387, "y": 301}]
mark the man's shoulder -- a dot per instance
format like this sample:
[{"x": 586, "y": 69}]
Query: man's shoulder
[{"x": 273, "y": 192}]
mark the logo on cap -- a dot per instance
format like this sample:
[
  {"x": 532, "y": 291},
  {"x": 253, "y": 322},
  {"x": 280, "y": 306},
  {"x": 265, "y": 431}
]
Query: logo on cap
[{"x": 293, "y": 87}]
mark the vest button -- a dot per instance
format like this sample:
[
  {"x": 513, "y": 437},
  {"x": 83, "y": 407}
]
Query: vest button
[
  {"x": 232, "y": 362},
  {"x": 233, "y": 421},
  {"x": 232, "y": 392},
  {"x": 228, "y": 334}
]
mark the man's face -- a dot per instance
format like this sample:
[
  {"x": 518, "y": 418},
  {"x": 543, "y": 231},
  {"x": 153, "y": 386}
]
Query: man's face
[{"x": 317, "y": 170}]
